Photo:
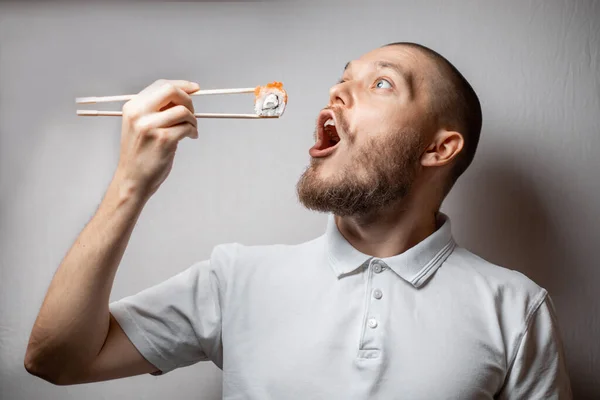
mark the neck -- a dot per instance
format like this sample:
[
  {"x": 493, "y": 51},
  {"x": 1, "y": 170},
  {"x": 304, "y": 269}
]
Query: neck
[{"x": 388, "y": 232}]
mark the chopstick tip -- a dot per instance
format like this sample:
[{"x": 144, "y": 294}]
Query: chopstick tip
[{"x": 85, "y": 100}]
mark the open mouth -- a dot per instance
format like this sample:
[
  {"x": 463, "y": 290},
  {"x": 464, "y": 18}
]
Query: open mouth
[
  {"x": 327, "y": 135},
  {"x": 330, "y": 133}
]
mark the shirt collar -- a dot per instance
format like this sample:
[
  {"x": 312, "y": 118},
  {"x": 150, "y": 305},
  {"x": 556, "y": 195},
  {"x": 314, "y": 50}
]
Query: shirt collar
[{"x": 416, "y": 265}]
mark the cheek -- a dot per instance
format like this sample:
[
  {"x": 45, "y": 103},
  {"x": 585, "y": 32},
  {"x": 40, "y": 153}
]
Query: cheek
[{"x": 374, "y": 122}]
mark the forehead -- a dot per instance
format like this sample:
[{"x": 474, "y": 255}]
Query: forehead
[{"x": 409, "y": 60}]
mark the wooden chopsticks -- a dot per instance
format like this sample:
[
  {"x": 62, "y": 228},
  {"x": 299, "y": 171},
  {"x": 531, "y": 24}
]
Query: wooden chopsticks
[
  {"x": 107, "y": 99},
  {"x": 96, "y": 113},
  {"x": 126, "y": 97}
]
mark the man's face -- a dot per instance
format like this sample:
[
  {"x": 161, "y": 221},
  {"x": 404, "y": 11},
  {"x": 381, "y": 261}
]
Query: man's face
[{"x": 379, "y": 111}]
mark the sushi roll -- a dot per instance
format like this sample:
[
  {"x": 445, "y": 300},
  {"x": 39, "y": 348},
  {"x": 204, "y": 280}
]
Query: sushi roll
[{"x": 270, "y": 100}]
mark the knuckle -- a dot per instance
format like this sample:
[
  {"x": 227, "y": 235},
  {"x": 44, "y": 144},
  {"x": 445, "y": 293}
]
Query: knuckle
[
  {"x": 162, "y": 137},
  {"x": 169, "y": 88},
  {"x": 130, "y": 111},
  {"x": 160, "y": 82},
  {"x": 181, "y": 111},
  {"x": 142, "y": 126},
  {"x": 178, "y": 112}
]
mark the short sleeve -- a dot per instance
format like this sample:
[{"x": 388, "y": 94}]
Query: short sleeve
[
  {"x": 538, "y": 370},
  {"x": 177, "y": 322}
]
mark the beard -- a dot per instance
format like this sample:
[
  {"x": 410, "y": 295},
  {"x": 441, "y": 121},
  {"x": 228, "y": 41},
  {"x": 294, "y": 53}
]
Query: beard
[{"x": 373, "y": 180}]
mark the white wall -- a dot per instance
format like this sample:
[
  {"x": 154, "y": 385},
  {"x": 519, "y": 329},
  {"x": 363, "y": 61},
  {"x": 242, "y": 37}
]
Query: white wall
[{"x": 530, "y": 201}]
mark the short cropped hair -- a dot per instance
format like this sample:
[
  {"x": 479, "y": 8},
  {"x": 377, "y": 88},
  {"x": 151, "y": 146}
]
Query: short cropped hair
[{"x": 455, "y": 107}]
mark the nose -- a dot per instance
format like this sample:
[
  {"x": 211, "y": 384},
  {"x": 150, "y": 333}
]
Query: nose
[{"x": 340, "y": 95}]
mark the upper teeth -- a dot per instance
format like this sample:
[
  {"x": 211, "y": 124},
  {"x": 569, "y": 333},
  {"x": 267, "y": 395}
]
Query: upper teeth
[{"x": 330, "y": 121}]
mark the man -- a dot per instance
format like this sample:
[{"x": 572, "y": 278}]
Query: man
[{"x": 384, "y": 305}]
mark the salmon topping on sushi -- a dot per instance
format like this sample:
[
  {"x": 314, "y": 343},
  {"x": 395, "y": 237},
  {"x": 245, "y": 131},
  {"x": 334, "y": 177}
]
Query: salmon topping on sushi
[{"x": 270, "y": 100}]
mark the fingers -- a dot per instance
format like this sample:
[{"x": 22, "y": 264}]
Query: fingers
[
  {"x": 170, "y": 117},
  {"x": 165, "y": 95},
  {"x": 186, "y": 86},
  {"x": 145, "y": 113},
  {"x": 168, "y": 126},
  {"x": 161, "y": 94},
  {"x": 176, "y": 133}
]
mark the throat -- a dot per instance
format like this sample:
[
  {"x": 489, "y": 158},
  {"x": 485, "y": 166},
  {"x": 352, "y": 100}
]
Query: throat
[{"x": 384, "y": 237}]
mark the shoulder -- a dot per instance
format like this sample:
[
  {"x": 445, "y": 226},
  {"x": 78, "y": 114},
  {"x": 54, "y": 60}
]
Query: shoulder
[
  {"x": 510, "y": 292},
  {"x": 503, "y": 300},
  {"x": 494, "y": 277},
  {"x": 242, "y": 269},
  {"x": 232, "y": 254}
]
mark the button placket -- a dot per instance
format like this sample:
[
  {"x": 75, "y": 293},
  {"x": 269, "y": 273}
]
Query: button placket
[{"x": 371, "y": 338}]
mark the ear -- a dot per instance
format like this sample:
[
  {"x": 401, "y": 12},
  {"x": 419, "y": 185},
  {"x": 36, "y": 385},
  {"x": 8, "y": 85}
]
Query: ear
[{"x": 444, "y": 148}]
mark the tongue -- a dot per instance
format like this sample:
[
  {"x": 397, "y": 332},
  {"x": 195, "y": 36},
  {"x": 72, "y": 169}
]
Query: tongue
[{"x": 323, "y": 145}]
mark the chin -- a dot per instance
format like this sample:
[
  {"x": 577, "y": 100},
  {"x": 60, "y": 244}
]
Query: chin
[
  {"x": 326, "y": 174},
  {"x": 327, "y": 168}
]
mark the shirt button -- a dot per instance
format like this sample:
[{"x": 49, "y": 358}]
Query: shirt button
[
  {"x": 378, "y": 294},
  {"x": 372, "y": 323},
  {"x": 377, "y": 267}
]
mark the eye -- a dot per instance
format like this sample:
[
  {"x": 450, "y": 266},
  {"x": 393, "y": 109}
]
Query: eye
[{"x": 383, "y": 84}]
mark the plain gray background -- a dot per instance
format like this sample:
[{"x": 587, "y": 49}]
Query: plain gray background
[{"x": 529, "y": 202}]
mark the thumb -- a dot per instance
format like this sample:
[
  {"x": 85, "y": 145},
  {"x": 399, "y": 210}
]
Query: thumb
[{"x": 189, "y": 87}]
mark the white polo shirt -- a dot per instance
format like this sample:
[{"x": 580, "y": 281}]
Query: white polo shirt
[{"x": 321, "y": 320}]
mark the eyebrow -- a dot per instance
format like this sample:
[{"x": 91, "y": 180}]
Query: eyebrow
[{"x": 406, "y": 76}]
